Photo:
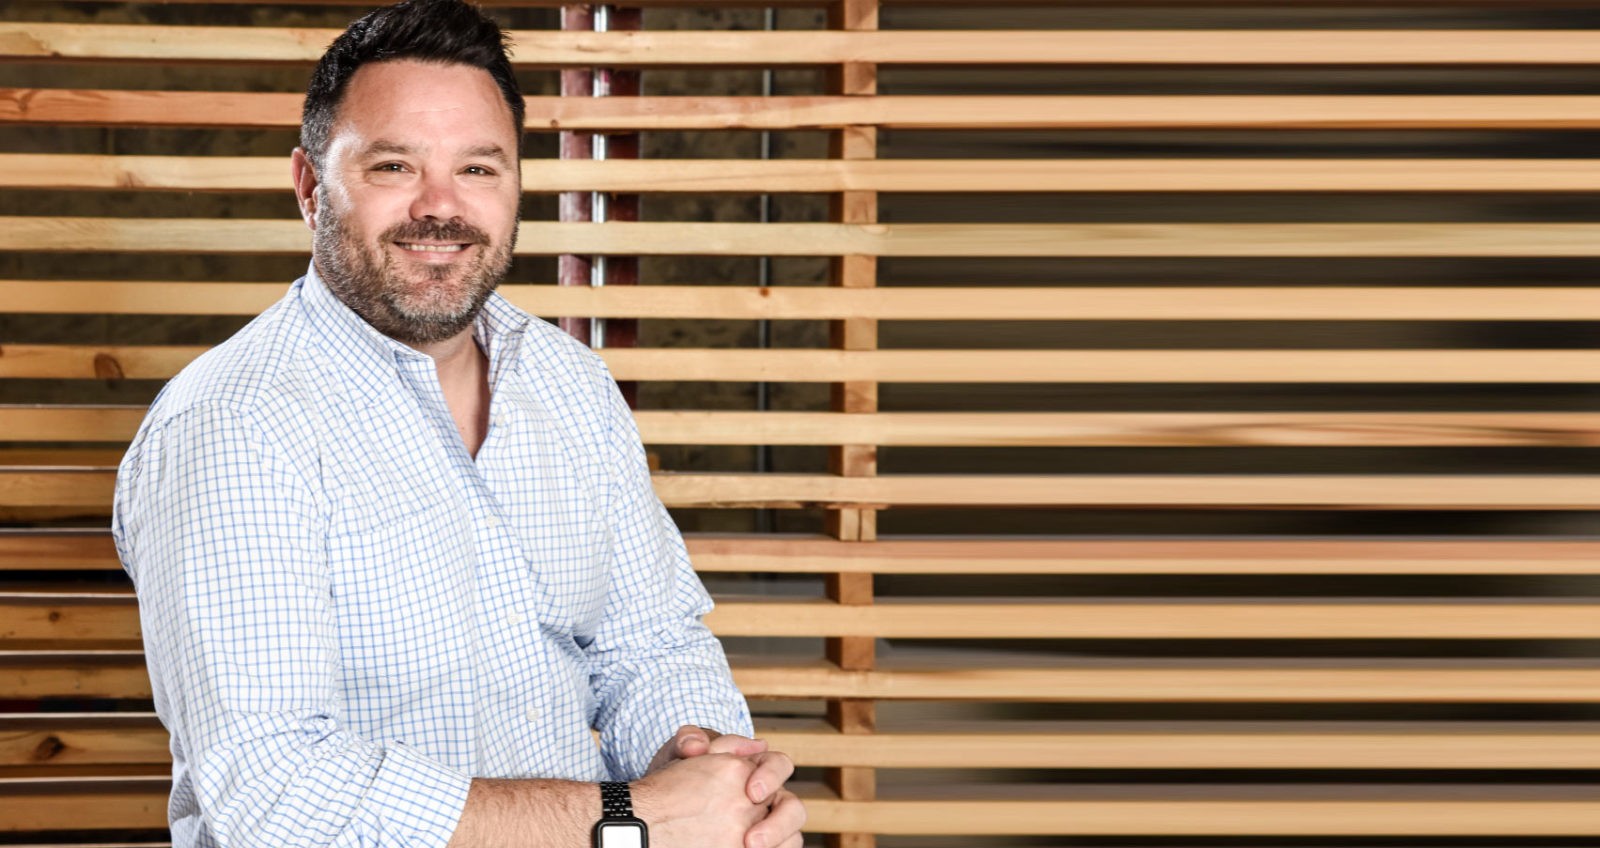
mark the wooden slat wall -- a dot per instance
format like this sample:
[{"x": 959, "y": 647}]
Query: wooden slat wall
[{"x": 991, "y": 616}]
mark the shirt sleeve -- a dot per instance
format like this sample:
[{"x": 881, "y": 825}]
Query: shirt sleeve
[
  {"x": 654, "y": 665},
  {"x": 222, "y": 535}
]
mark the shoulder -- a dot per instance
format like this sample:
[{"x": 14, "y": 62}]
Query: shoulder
[{"x": 262, "y": 377}]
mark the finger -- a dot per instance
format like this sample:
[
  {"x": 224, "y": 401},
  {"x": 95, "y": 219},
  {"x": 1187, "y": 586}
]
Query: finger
[
  {"x": 781, "y": 825},
  {"x": 739, "y": 746},
  {"x": 773, "y": 769},
  {"x": 691, "y": 741}
]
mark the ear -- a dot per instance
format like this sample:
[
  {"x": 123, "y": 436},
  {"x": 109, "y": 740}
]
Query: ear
[{"x": 305, "y": 186}]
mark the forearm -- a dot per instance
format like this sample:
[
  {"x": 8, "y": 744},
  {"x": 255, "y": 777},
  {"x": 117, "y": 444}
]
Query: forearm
[{"x": 527, "y": 814}]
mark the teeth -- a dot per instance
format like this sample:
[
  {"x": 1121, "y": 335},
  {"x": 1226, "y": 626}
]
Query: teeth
[{"x": 433, "y": 248}]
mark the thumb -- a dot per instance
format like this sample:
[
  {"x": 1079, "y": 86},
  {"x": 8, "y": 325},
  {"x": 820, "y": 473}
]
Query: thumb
[{"x": 691, "y": 741}]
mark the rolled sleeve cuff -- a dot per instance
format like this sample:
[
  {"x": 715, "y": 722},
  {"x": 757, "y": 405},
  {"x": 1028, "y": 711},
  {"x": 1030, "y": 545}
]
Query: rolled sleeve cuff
[{"x": 425, "y": 794}]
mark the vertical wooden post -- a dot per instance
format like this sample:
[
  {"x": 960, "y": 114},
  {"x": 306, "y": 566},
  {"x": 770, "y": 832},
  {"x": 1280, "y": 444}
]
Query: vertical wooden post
[{"x": 854, "y": 716}]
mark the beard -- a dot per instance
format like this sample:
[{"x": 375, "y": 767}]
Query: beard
[{"x": 427, "y": 304}]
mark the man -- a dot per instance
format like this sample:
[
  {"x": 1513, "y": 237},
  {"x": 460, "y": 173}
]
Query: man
[{"x": 395, "y": 543}]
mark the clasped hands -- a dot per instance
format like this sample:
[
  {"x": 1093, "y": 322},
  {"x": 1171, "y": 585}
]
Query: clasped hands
[{"x": 710, "y": 790}]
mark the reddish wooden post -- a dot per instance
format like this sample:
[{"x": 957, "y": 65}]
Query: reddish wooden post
[{"x": 573, "y": 270}]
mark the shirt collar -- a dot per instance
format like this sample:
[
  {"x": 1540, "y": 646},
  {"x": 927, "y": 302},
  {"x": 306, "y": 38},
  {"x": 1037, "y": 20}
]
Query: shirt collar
[{"x": 370, "y": 361}]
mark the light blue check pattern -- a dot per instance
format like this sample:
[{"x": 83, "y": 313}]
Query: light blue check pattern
[{"x": 347, "y": 616}]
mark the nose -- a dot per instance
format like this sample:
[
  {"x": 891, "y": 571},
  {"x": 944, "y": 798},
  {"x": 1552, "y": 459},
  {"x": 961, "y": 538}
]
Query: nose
[{"x": 436, "y": 198}]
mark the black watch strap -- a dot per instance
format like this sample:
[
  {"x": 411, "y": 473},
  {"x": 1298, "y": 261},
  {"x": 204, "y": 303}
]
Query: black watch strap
[{"x": 615, "y": 800}]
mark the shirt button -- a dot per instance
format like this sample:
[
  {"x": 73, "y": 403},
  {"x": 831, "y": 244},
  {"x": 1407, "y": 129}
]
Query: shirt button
[
  {"x": 491, "y": 522},
  {"x": 533, "y": 715},
  {"x": 514, "y": 618},
  {"x": 501, "y": 420}
]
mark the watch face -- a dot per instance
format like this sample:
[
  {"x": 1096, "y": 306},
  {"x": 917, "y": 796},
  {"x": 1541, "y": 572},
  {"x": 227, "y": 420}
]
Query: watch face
[{"x": 620, "y": 834}]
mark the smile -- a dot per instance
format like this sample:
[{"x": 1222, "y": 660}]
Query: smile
[{"x": 433, "y": 248}]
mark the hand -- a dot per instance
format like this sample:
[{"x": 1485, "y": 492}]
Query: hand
[
  {"x": 698, "y": 802},
  {"x": 781, "y": 827}
]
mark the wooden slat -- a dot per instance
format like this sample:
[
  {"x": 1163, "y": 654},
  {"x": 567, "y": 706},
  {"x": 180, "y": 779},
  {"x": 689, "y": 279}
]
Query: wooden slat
[
  {"x": 111, "y": 674},
  {"x": 54, "y": 550},
  {"x": 71, "y": 805},
  {"x": 998, "y": 429},
  {"x": 73, "y": 619},
  {"x": 65, "y": 550},
  {"x": 276, "y": 236},
  {"x": 67, "y": 620},
  {"x": 555, "y": 49},
  {"x": 69, "y": 423},
  {"x": 121, "y": 674},
  {"x": 543, "y": 176},
  {"x": 1065, "y": 303},
  {"x": 1192, "y": 745},
  {"x": 83, "y": 739},
  {"x": 96, "y": 739},
  {"x": 744, "y": 554},
  {"x": 1221, "y": 682},
  {"x": 281, "y": 110},
  {"x": 157, "y": 362},
  {"x": 91, "y": 489},
  {"x": 1104, "y": 366},
  {"x": 1372, "y": 810},
  {"x": 1066, "y": 429},
  {"x": 1062, "y": 303},
  {"x": 1166, "y": 619},
  {"x": 57, "y": 805}
]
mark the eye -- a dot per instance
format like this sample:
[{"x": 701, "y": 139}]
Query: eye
[
  {"x": 479, "y": 170},
  {"x": 390, "y": 167}
]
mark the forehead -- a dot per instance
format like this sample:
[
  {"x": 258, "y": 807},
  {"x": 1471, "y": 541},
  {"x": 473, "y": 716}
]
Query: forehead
[{"x": 424, "y": 103}]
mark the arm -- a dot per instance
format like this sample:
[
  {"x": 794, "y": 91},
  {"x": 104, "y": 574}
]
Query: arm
[
  {"x": 654, "y": 666},
  {"x": 222, "y": 533}
]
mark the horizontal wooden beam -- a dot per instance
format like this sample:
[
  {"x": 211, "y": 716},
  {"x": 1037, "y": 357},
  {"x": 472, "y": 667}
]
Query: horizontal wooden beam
[
  {"x": 544, "y": 238},
  {"x": 1172, "y": 619},
  {"x": 657, "y": 49},
  {"x": 996, "y": 429},
  {"x": 281, "y": 110},
  {"x": 1063, "y": 303},
  {"x": 955, "y": 555},
  {"x": 120, "y": 674},
  {"x": 1227, "y": 812},
  {"x": 33, "y": 550},
  {"x": 1074, "y": 810},
  {"x": 157, "y": 362},
  {"x": 91, "y": 490},
  {"x": 1186, "y": 682},
  {"x": 88, "y": 739},
  {"x": 66, "y": 619},
  {"x": 545, "y": 176},
  {"x": 1102, "y": 366},
  {"x": 1184, "y": 745}
]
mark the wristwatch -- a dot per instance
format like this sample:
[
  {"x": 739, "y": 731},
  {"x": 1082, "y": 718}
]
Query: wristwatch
[{"x": 618, "y": 827}]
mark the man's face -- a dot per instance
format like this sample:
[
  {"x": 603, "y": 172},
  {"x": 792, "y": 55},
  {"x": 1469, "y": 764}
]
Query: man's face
[{"x": 416, "y": 202}]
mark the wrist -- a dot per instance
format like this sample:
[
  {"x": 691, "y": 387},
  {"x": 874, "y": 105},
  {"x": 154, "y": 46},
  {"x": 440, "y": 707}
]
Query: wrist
[{"x": 619, "y": 825}]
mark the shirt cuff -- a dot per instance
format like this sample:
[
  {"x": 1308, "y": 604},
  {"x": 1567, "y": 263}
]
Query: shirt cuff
[{"x": 413, "y": 788}]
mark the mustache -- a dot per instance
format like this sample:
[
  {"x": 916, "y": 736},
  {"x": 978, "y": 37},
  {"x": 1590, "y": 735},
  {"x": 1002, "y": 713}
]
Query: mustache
[{"x": 455, "y": 230}]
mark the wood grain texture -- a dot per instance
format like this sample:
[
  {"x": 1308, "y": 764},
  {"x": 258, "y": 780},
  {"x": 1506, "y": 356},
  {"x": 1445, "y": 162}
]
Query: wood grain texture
[
  {"x": 544, "y": 176},
  {"x": 277, "y": 236},
  {"x": 154, "y": 362},
  {"x": 281, "y": 110},
  {"x": 1064, "y": 303},
  {"x": 643, "y": 49},
  {"x": 91, "y": 490}
]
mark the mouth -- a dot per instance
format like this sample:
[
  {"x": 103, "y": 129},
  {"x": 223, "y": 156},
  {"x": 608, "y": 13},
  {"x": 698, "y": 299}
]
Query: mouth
[{"x": 423, "y": 247}]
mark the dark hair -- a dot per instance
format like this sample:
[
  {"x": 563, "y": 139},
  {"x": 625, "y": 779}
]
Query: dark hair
[{"x": 445, "y": 31}]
